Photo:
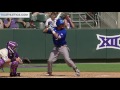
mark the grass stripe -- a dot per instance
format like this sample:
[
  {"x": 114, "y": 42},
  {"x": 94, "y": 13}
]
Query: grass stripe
[{"x": 84, "y": 67}]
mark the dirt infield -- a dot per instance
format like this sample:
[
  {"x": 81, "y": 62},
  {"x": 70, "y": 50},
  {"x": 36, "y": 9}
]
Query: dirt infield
[{"x": 64, "y": 75}]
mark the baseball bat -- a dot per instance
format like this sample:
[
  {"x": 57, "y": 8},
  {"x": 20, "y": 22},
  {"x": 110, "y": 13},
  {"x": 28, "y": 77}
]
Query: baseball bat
[
  {"x": 56, "y": 18},
  {"x": 58, "y": 15}
]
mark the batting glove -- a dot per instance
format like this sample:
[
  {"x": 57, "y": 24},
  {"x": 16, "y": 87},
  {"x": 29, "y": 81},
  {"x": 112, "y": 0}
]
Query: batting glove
[{"x": 52, "y": 29}]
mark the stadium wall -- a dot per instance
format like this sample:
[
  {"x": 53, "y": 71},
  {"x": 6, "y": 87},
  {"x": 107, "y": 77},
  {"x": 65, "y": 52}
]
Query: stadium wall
[{"x": 83, "y": 43}]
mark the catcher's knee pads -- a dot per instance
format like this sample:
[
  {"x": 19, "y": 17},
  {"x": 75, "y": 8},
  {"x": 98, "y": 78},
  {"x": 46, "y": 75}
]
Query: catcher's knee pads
[{"x": 1, "y": 63}]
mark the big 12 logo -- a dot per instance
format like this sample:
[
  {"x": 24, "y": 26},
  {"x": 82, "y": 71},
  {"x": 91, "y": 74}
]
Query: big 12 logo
[{"x": 108, "y": 42}]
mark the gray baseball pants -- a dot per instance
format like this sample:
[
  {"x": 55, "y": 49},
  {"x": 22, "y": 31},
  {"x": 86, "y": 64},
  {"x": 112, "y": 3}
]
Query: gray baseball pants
[{"x": 63, "y": 50}]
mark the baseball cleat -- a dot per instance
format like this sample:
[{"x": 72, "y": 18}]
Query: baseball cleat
[
  {"x": 14, "y": 75},
  {"x": 77, "y": 72},
  {"x": 49, "y": 74}
]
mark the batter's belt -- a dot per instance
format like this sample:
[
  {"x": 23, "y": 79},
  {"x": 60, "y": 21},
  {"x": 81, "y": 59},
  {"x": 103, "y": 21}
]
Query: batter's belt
[{"x": 61, "y": 46}]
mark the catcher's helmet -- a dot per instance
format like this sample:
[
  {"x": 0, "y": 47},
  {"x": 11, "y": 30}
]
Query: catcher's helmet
[
  {"x": 11, "y": 45},
  {"x": 59, "y": 22}
]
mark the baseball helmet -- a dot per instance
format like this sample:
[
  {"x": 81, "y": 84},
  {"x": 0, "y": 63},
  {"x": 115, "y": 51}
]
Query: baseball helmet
[
  {"x": 11, "y": 45},
  {"x": 59, "y": 22}
]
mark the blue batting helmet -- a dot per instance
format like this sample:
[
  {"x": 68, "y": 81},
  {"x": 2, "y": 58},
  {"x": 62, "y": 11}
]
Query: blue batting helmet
[{"x": 59, "y": 22}]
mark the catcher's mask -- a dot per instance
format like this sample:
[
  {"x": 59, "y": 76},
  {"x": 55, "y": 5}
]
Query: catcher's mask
[{"x": 11, "y": 45}]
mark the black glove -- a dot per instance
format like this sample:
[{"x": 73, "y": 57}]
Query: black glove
[{"x": 26, "y": 60}]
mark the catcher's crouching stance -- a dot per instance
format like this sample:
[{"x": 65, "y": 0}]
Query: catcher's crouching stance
[{"x": 9, "y": 56}]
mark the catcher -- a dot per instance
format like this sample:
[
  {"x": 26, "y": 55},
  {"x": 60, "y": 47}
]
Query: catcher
[{"x": 9, "y": 56}]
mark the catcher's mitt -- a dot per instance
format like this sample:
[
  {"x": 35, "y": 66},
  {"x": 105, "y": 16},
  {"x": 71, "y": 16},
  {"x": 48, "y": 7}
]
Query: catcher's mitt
[{"x": 26, "y": 60}]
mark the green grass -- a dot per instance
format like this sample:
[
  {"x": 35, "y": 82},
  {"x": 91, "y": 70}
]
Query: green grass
[
  {"x": 84, "y": 67},
  {"x": 90, "y": 67}
]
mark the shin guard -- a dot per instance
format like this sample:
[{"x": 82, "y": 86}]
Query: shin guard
[{"x": 13, "y": 68}]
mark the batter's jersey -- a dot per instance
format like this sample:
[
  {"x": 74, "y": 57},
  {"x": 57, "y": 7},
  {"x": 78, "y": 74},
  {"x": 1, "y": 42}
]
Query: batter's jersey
[
  {"x": 62, "y": 34},
  {"x": 5, "y": 54}
]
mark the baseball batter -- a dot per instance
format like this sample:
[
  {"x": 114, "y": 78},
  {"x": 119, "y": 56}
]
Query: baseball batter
[
  {"x": 9, "y": 56},
  {"x": 59, "y": 35}
]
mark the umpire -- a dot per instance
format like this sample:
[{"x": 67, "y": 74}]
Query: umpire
[{"x": 60, "y": 46}]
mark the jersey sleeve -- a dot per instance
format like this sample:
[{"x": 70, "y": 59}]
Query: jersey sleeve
[
  {"x": 16, "y": 54},
  {"x": 49, "y": 31},
  {"x": 4, "y": 54},
  {"x": 61, "y": 35},
  {"x": 5, "y": 58}
]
